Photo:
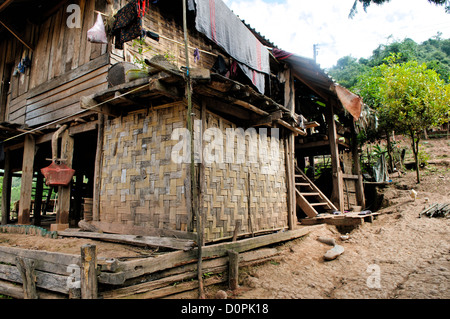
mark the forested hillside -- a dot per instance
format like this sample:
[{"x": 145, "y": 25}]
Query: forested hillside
[{"x": 434, "y": 52}]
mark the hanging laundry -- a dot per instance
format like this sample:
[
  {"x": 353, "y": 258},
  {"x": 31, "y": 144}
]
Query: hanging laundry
[
  {"x": 215, "y": 20},
  {"x": 220, "y": 66},
  {"x": 97, "y": 33},
  {"x": 233, "y": 69},
  {"x": 196, "y": 55},
  {"x": 128, "y": 23}
]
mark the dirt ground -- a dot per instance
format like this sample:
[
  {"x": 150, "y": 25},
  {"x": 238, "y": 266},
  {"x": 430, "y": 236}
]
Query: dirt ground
[{"x": 397, "y": 256}]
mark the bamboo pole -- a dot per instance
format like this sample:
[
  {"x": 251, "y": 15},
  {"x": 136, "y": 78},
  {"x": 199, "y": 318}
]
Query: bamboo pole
[{"x": 194, "y": 197}]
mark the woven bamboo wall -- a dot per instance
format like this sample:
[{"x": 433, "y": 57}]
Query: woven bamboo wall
[
  {"x": 228, "y": 190},
  {"x": 142, "y": 186}
]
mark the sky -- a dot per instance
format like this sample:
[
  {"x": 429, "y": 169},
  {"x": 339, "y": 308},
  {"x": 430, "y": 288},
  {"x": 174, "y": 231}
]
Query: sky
[{"x": 296, "y": 25}]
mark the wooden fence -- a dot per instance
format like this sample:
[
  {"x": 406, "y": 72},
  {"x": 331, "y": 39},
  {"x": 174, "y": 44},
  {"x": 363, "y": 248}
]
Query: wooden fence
[{"x": 46, "y": 275}]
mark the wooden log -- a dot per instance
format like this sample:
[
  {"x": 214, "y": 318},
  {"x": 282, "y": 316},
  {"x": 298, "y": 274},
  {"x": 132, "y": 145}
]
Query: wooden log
[
  {"x": 233, "y": 269},
  {"x": 14, "y": 291},
  {"x": 173, "y": 276},
  {"x": 85, "y": 226},
  {"x": 27, "y": 272},
  {"x": 50, "y": 262},
  {"x": 44, "y": 280},
  {"x": 165, "y": 242},
  {"x": 136, "y": 268},
  {"x": 89, "y": 284}
]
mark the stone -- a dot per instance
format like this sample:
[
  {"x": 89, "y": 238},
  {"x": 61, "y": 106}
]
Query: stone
[{"x": 334, "y": 252}]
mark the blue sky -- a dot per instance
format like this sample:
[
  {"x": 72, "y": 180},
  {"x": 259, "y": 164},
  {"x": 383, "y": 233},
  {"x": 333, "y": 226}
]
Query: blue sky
[{"x": 296, "y": 25}]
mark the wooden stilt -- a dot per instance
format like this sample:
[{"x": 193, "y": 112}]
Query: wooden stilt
[
  {"x": 63, "y": 205},
  {"x": 360, "y": 198},
  {"x": 27, "y": 180},
  {"x": 38, "y": 199},
  {"x": 97, "y": 169},
  {"x": 290, "y": 178},
  {"x": 337, "y": 196},
  {"x": 6, "y": 191}
]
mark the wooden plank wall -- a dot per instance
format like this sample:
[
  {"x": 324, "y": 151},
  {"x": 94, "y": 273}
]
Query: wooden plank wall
[
  {"x": 168, "y": 28},
  {"x": 45, "y": 92}
]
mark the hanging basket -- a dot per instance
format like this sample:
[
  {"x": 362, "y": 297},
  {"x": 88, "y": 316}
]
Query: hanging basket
[{"x": 57, "y": 174}]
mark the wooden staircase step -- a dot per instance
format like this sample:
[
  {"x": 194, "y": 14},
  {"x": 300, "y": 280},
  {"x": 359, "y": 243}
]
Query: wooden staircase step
[
  {"x": 302, "y": 184},
  {"x": 318, "y": 204},
  {"x": 310, "y": 194}
]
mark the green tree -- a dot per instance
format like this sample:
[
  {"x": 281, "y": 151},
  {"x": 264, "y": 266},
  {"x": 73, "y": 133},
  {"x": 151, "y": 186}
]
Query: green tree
[
  {"x": 367, "y": 3},
  {"x": 408, "y": 98}
]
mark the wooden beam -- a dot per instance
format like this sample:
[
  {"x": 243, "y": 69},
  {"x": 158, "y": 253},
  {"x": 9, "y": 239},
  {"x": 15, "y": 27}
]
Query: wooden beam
[
  {"x": 268, "y": 120},
  {"x": 16, "y": 35},
  {"x": 89, "y": 102},
  {"x": 27, "y": 180},
  {"x": 297, "y": 131},
  {"x": 5, "y": 4},
  {"x": 251, "y": 107},
  {"x": 164, "y": 89}
]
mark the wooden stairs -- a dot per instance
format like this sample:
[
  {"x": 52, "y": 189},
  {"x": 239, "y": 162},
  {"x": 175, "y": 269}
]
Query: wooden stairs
[{"x": 309, "y": 197}]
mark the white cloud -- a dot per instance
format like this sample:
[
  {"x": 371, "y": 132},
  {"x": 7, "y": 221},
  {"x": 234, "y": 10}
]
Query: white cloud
[{"x": 296, "y": 25}]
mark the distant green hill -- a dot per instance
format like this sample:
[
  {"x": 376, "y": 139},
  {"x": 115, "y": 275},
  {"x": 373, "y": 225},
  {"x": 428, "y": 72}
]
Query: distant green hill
[{"x": 435, "y": 52}]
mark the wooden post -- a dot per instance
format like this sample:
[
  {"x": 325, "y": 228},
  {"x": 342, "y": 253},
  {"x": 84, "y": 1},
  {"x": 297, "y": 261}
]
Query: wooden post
[
  {"x": 233, "y": 269},
  {"x": 290, "y": 178},
  {"x": 63, "y": 208},
  {"x": 337, "y": 196},
  {"x": 38, "y": 199},
  {"x": 98, "y": 169},
  {"x": 27, "y": 180},
  {"x": 6, "y": 191},
  {"x": 26, "y": 269},
  {"x": 360, "y": 198},
  {"x": 89, "y": 284},
  {"x": 312, "y": 168}
]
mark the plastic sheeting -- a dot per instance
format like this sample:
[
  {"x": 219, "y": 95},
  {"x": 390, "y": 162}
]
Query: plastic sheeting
[{"x": 351, "y": 102}]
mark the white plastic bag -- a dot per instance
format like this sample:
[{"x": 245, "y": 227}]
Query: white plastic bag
[{"x": 97, "y": 33}]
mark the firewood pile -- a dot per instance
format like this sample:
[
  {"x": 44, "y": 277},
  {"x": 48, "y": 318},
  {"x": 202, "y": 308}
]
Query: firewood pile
[{"x": 437, "y": 211}]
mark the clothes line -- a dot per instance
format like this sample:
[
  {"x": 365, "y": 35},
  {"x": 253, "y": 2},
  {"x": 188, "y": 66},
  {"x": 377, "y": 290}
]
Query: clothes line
[
  {"x": 103, "y": 14},
  {"x": 180, "y": 43}
]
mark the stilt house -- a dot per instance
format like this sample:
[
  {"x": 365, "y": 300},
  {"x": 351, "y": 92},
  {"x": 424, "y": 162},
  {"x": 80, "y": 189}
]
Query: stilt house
[{"x": 260, "y": 119}]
